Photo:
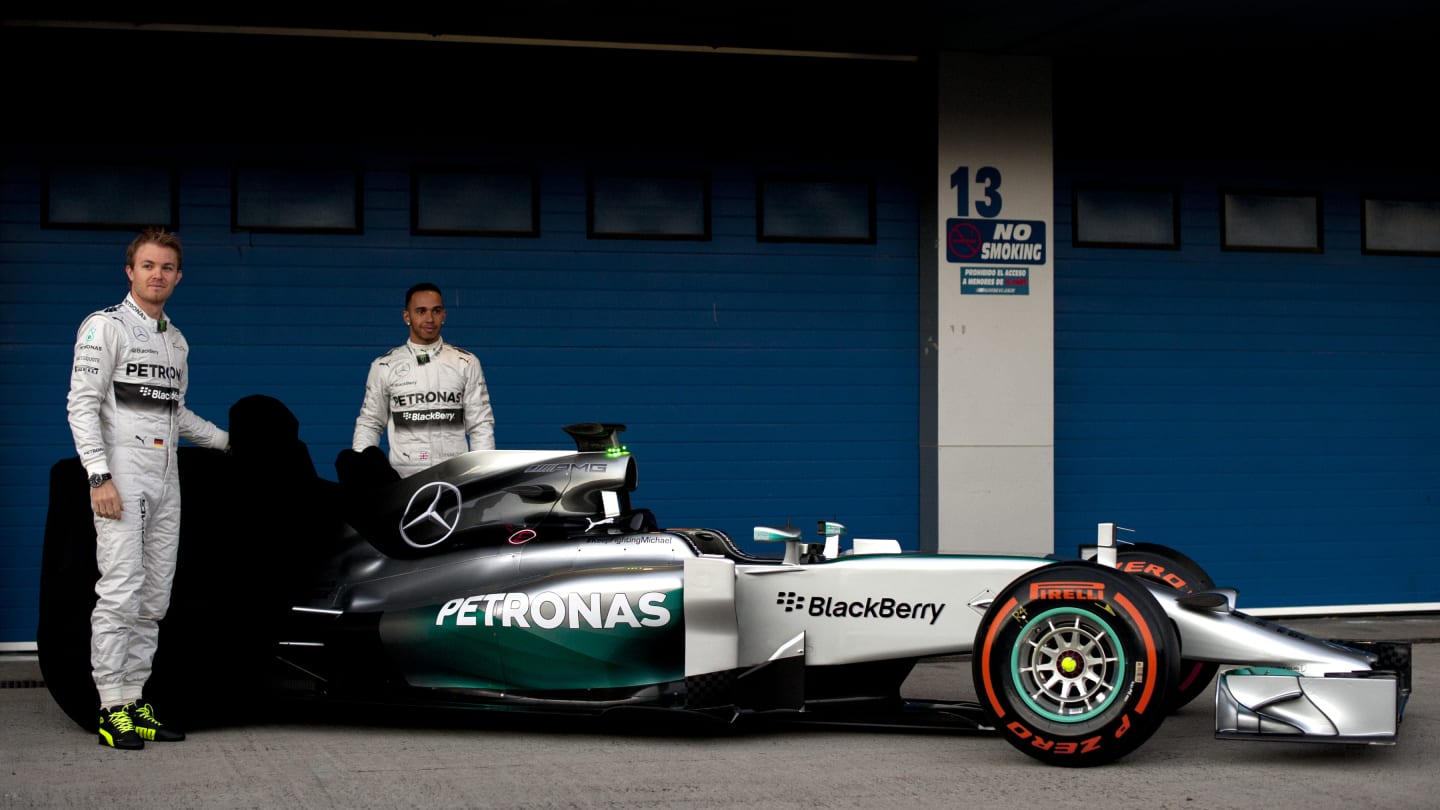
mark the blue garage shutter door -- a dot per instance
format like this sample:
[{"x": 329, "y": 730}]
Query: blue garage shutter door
[
  {"x": 1276, "y": 416},
  {"x": 762, "y": 382}
]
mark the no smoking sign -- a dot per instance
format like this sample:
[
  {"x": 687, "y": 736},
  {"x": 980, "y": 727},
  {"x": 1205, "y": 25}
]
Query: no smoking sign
[{"x": 995, "y": 241}]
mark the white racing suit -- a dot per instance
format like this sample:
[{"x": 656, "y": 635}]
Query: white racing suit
[
  {"x": 430, "y": 398},
  {"x": 126, "y": 406}
]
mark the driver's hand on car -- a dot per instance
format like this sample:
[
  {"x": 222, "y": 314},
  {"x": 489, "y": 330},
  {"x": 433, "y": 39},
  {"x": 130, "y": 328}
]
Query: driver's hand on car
[{"x": 105, "y": 501}]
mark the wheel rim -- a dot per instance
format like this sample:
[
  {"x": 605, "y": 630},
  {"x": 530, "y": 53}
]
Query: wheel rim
[{"x": 1068, "y": 665}]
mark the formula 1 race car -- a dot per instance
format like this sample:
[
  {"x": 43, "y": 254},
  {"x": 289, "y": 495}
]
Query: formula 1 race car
[{"x": 528, "y": 580}]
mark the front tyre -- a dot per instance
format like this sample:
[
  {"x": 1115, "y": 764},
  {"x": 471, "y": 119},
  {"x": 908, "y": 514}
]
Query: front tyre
[{"x": 1075, "y": 664}]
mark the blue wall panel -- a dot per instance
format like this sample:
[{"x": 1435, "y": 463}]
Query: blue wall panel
[
  {"x": 761, "y": 382},
  {"x": 1274, "y": 415}
]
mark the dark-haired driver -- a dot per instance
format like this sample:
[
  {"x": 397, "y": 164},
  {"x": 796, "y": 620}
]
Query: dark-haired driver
[{"x": 428, "y": 394}]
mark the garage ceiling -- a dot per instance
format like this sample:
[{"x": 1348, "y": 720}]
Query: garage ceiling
[
  {"x": 899, "y": 27},
  {"x": 1199, "y": 77}
]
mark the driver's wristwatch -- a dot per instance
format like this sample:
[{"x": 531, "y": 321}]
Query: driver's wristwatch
[{"x": 98, "y": 478}]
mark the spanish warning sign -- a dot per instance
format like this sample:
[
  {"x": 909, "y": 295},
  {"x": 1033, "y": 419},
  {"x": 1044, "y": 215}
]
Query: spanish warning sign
[
  {"x": 995, "y": 241},
  {"x": 994, "y": 281}
]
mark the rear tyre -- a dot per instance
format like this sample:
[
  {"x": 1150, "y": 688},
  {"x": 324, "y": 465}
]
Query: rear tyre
[
  {"x": 67, "y": 595},
  {"x": 1168, "y": 567},
  {"x": 1075, "y": 664}
]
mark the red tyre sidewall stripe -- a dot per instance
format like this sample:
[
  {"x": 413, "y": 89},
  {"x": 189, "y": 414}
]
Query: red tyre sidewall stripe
[
  {"x": 989, "y": 648},
  {"x": 1150, "y": 652}
]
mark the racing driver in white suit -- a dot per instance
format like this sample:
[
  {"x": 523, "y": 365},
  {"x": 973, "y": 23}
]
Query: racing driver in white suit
[
  {"x": 126, "y": 409},
  {"x": 430, "y": 395}
]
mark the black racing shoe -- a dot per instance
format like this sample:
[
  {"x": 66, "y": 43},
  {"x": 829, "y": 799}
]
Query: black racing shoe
[
  {"x": 143, "y": 716},
  {"x": 117, "y": 729}
]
